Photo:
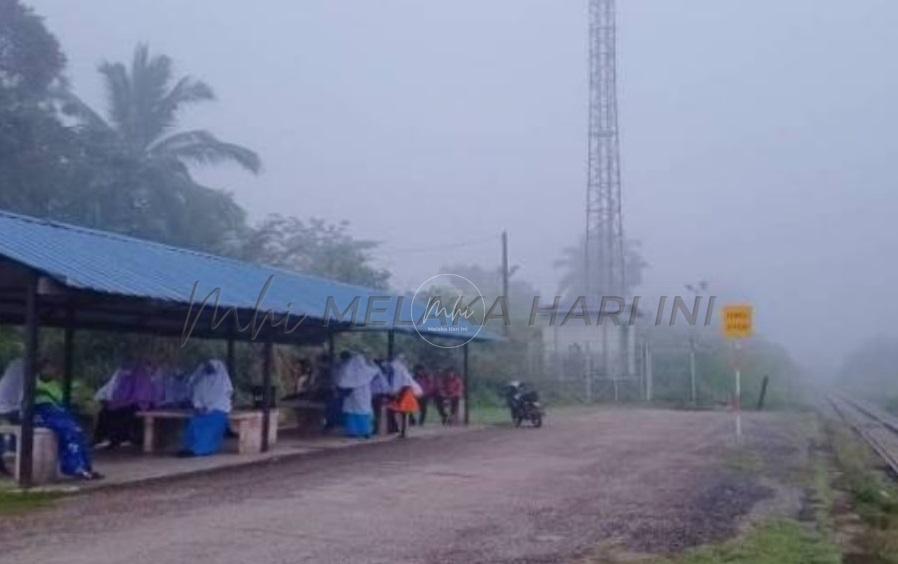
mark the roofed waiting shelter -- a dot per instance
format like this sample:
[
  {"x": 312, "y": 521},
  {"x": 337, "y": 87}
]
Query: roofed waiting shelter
[{"x": 58, "y": 275}]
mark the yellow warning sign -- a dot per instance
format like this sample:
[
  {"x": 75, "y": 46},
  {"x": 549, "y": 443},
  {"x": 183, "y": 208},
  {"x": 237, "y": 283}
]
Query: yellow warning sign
[{"x": 737, "y": 322}]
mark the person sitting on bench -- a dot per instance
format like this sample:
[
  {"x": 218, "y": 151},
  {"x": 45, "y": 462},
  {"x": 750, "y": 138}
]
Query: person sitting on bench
[
  {"x": 129, "y": 390},
  {"x": 50, "y": 412},
  {"x": 10, "y": 401},
  {"x": 210, "y": 396}
]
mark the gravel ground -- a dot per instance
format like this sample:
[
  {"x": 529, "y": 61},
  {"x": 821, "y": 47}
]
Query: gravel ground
[{"x": 643, "y": 481}]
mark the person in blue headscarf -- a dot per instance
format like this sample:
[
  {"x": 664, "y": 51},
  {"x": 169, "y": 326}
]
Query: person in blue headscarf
[{"x": 211, "y": 392}]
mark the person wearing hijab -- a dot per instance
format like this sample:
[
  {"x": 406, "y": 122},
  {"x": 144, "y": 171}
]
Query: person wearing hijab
[
  {"x": 173, "y": 387},
  {"x": 381, "y": 394},
  {"x": 329, "y": 392},
  {"x": 405, "y": 391},
  {"x": 11, "y": 390},
  {"x": 210, "y": 396},
  {"x": 353, "y": 378},
  {"x": 10, "y": 401},
  {"x": 130, "y": 389}
]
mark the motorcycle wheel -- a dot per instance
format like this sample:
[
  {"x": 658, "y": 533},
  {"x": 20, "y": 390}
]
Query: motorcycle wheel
[{"x": 537, "y": 420}]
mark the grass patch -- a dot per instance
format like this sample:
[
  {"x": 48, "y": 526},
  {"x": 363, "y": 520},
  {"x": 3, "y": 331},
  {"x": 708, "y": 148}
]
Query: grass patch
[
  {"x": 781, "y": 540},
  {"x": 806, "y": 539},
  {"x": 874, "y": 495},
  {"x": 12, "y": 502},
  {"x": 774, "y": 542},
  {"x": 499, "y": 414},
  {"x": 489, "y": 415},
  {"x": 820, "y": 484}
]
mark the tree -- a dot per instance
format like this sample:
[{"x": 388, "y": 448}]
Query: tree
[
  {"x": 572, "y": 263},
  {"x": 138, "y": 178},
  {"x": 489, "y": 282},
  {"x": 30, "y": 57},
  {"x": 495, "y": 363},
  {"x": 315, "y": 247},
  {"x": 35, "y": 148},
  {"x": 143, "y": 108}
]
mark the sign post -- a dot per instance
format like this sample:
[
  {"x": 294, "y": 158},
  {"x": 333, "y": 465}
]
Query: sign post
[{"x": 738, "y": 325}]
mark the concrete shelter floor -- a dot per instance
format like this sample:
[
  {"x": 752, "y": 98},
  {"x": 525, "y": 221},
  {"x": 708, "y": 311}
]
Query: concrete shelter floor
[{"x": 128, "y": 465}]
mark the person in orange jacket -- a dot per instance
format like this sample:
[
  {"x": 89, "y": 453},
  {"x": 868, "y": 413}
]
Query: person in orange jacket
[{"x": 405, "y": 392}]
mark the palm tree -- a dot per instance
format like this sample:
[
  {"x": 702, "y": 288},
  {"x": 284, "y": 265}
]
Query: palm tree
[
  {"x": 143, "y": 108},
  {"x": 572, "y": 264},
  {"x": 142, "y": 183}
]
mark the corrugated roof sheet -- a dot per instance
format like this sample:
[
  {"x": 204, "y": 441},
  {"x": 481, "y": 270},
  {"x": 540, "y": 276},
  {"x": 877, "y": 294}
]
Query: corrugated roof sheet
[{"x": 110, "y": 263}]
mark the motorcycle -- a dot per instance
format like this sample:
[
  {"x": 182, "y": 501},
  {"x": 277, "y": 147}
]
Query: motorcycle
[{"x": 524, "y": 404}]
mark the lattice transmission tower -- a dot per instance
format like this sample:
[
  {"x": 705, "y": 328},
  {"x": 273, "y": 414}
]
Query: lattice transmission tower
[{"x": 604, "y": 267}]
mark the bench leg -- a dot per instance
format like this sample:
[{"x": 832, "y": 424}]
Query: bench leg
[
  {"x": 383, "y": 423},
  {"x": 45, "y": 463},
  {"x": 249, "y": 432},
  {"x": 149, "y": 438}
]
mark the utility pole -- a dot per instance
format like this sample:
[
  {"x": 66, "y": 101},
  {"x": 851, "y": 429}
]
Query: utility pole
[{"x": 505, "y": 275}]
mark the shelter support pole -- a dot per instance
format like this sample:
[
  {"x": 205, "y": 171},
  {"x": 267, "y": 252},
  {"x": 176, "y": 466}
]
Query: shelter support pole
[
  {"x": 505, "y": 275},
  {"x": 230, "y": 356},
  {"x": 391, "y": 345},
  {"x": 266, "y": 394},
  {"x": 26, "y": 440},
  {"x": 330, "y": 346},
  {"x": 68, "y": 357},
  {"x": 465, "y": 373}
]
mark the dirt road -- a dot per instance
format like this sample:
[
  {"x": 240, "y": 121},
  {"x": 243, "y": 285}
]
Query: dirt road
[{"x": 643, "y": 481}]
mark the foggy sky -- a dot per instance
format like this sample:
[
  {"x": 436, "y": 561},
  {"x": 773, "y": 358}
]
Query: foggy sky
[{"x": 758, "y": 137}]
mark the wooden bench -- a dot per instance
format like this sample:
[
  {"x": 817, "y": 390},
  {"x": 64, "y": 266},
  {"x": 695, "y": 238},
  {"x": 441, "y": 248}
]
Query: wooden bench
[
  {"x": 247, "y": 425},
  {"x": 45, "y": 458}
]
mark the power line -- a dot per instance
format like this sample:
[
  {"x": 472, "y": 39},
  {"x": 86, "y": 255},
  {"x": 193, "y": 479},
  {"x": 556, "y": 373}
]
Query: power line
[{"x": 443, "y": 247}]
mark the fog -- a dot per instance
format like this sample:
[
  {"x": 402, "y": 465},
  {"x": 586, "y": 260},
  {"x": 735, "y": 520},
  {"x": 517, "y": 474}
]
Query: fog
[{"x": 758, "y": 138}]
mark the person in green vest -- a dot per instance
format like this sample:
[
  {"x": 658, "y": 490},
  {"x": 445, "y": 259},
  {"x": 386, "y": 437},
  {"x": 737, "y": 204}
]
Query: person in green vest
[
  {"x": 47, "y": 391},
  {"x": 50, "y": 412}
]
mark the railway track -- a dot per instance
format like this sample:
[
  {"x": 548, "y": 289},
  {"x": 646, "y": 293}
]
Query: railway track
[{"x": 878, "y": 428}]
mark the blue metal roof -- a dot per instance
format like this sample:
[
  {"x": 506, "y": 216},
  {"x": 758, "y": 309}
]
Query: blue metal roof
[{"x": 114, "y": 264}]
